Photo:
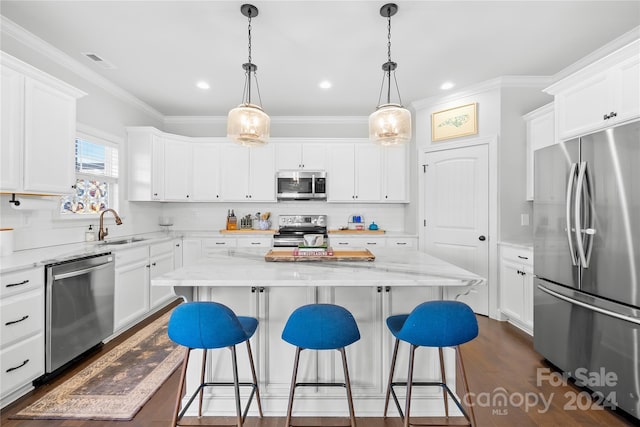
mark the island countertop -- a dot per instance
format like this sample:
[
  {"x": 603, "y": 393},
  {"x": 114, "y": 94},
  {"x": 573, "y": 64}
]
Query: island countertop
[{"x": 247, "y": 267}]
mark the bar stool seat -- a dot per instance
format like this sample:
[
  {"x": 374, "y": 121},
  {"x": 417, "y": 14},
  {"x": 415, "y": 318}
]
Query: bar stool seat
[
  {"x": 321, "y": 327},
  {"x": 207, "y": 326},
  {"x": 432, "y": 324}
]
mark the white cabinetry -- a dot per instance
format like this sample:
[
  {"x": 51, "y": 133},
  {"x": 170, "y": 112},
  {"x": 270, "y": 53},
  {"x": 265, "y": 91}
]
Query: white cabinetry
[
  {"x": 248, "y": 174},
  {"x": 178, "y": 158},
  {"x": 161, "y": 261},
  {"x": 145, "y": 164},
  {"x": 394, "y": 174},
  {"x": 516, "y": 286},
  {"x": 21, "y": 331},
  {"x": 135, "y": 267},
  {"x": 540, "y": 134},
  {"x": 355, "y": 173},
  {"x": 372, "y": 241},
  {"x": 600, "y": 95},
  {"x": 205, "y": 166},
  {"x": 38, "y": 131},
  {"x": 311, "y": 156},
  {"x": 131, "y": 294}
]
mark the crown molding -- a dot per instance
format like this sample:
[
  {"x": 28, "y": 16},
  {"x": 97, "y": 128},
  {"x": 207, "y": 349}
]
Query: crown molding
[
  {"x": 9, "y": 28},
  {"x": 598, "y": 54},
  {"x": 534, "y": 82},
  {"x": 280, "y": 120}
]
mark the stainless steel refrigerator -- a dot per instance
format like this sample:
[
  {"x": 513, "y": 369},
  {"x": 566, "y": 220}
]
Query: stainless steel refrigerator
[{"x": 587, "y": 261}]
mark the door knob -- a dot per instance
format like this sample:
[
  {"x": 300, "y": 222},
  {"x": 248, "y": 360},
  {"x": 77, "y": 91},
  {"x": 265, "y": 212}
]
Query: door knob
[{"x": 482, "y": 238}]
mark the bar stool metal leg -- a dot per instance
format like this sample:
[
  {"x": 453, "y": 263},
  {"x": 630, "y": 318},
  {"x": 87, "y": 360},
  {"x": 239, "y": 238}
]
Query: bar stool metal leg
[
  {"x": 236, "y": 385},
  {"x": 466, "y": 385},
  {"x": 347, "y": 381},
  {"x": 444, "y": 381},
  {"x": 183, "y": 375},
  {"x": 255, "y": 378},
  {"x": 392, "y": 370},
  {"x": 407, "y": 408},
  {"x": 293, "y": 386},
  {"x": 202, "y": 371}
]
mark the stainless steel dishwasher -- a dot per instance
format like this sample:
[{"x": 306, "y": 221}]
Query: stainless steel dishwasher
[{"x": 78, "y": 308}]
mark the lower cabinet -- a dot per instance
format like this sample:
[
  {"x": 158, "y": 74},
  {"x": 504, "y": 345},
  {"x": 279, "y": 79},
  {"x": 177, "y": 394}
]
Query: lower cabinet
[
  {"x": 21, "y": 331},
  {"x": 134, "y": 269},
  {"x": 516, "y": 286},
  {"x": 372, "y": 241}
]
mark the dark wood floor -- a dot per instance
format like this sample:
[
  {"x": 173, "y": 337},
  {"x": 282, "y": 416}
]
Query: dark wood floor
[{"x": 502, "y": 356}]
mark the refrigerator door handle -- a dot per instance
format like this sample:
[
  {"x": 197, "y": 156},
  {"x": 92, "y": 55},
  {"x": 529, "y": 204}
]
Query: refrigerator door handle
[
  {"x": 590, "y": 307},
  {"x": 570, "y": 183},
  {"x": 583, "y": 235}
]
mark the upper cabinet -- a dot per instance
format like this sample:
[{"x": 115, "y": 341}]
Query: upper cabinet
[
  {"x": 173, "y": 168},
  {"x": 38, "y": 131},
  {"x": 600, "y": 95},
  {"x": 301, "y": 155},
  {"x": 540, "y": 134},
  {"x": 248, "y": 174},
  {"x": 365, "y": 172}
]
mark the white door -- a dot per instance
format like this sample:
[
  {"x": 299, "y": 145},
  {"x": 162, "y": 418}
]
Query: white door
[{"x": 456, "y": 206}]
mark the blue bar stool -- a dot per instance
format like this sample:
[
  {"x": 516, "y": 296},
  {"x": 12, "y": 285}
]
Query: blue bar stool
[
  {"x": 321, "y": 327},
  {"x": 432, "y": 324},
  {"x": 210, "y": 325}
]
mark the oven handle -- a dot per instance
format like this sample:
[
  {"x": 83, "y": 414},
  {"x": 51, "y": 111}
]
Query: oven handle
[{"x": 80, "y": 272}]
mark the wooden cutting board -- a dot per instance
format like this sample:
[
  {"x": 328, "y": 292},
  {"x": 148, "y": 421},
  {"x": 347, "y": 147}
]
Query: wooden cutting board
[
  {"x": 276, "y": 255},
  {"x": 247, "y": 231},
  {"x": 356, "y": 231}
]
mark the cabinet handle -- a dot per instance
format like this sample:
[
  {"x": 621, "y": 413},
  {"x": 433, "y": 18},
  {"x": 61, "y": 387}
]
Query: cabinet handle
[
  {"x": 148, "y": 266},
  {"x": 153, "y": 264},
  {"x": 482, "y": 238},
  {"x": 522, "y": 257},
  {"x": 401, "y": 243},
  {"x": 17, "y": 367},
  {"x": 372, "y": 243},
  {"x": 177, "y": 245},
  {"x": 187, "y": 196},
  {"x": 605, "y": 117},
  {"x": 343, "y": 243},
  {"x": 13, "y": 322},
  {"x": 255, "y": 243},
  {"x": 11, "y": 285}
]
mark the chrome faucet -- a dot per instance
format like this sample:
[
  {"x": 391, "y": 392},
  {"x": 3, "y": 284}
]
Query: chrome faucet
[{"x": 103, "y": 232}]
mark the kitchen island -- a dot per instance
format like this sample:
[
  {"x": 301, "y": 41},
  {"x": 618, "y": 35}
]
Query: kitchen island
[{"x": 395, "y": 282}]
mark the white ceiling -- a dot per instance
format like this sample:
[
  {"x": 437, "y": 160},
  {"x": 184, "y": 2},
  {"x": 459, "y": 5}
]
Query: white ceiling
[{"x": 161, "y": 48}]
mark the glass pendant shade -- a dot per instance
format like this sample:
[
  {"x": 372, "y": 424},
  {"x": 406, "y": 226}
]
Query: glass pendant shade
[
  {"x": 390, "y": 124},
  {"x": 248, "y": 125}
]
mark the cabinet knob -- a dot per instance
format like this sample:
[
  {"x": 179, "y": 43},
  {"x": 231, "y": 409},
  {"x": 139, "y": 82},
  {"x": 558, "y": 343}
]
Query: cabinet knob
[
  {"x": 482, "y": 238},
  {"x": 187, "y": 196}
]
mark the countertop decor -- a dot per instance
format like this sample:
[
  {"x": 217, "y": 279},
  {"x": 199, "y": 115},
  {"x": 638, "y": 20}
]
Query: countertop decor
[{"x": 118, "y": 384}]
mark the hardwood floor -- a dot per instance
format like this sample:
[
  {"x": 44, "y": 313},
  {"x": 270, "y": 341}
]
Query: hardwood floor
[{"x": 502, "y": 356}]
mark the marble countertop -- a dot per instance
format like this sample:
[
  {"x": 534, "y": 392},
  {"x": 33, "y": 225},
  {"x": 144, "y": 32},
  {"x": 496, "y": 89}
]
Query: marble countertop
[
  {"x": 42, "y": 256},
  {"x": 247, "y": 267}
]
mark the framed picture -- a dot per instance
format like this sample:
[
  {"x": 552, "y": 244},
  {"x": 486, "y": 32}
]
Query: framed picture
[{"x": 454, "y": 122}]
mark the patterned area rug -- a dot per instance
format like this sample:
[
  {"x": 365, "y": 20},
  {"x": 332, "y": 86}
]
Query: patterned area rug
[{"x": 118, "y": 384}]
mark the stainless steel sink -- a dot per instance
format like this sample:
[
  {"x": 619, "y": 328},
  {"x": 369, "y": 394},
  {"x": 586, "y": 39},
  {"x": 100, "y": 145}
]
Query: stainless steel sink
[{"x": 123, "y": 241}]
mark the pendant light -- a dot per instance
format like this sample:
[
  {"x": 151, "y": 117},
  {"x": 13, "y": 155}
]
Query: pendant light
[
  {"x": 390, "y": 124},
  {"x": 248, "y": 124}
]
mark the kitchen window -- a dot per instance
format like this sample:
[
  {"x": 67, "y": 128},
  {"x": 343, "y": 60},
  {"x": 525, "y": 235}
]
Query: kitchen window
[{"x": 96, "y": 168}]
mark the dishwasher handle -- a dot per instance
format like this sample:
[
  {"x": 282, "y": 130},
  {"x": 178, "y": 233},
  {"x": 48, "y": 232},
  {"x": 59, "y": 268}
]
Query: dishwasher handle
[{"x": 81, "y": 272}]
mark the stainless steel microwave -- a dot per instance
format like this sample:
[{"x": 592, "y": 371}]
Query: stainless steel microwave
[{"x": 301, "y": 185}]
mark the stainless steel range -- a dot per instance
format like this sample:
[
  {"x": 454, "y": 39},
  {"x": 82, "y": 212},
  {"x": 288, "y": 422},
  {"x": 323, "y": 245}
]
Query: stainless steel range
[{"x": 292, "y": 228}]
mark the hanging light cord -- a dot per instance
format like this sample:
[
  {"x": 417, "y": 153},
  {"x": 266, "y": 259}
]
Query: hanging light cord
[
  {"x": 251, "y": 68},
  {"x": 389, "y": 68}
]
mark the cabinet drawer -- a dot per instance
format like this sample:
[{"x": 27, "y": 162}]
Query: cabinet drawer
[
  {"x": 21, "y": 281},
  {"x": 357, "y": 242},
  {"x": 21, "y": 364},
  {"x": 161, "y": 248},
  {"x": 255, "y": 242},
  {"x": 520, "y": 255},
  {"x": 21, "y": 316},
  {"x": 216, "y": 243},
  {"x": 401, "y": 242},
  {"x": 131, "y": 255}
]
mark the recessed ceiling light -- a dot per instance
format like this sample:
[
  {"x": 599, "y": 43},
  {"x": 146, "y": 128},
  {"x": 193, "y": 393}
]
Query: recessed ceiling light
[
  {"x": 325, "y": 84},
  {"x": 203, "y": 85},
  {"x": 447, "y": 85}
]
